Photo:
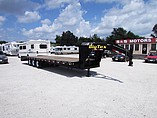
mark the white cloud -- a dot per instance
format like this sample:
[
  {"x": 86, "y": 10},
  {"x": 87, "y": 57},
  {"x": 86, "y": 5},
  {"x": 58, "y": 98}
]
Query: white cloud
[
  {"x": 70, "y": 15},
  {"x": 2, "y": 19},
  {"x": 137, "y": 16},
  {"x": 84, "y": 29},
  {"x": 52, "y": 4},
  {"x": 108, "y": 1},
  {"x": 46, "y": 21},
  {"x": 100, "y": 1},
  {"x": 70, "y": 19},
  {"x": 29, "y": 17}
]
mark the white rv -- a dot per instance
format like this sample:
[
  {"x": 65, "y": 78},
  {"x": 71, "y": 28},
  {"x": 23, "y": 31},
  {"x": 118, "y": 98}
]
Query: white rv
[
  {"x": 34, "y": 48},
  {"x": 10, "y": 48},
  {"x": 66, "y": 50}
]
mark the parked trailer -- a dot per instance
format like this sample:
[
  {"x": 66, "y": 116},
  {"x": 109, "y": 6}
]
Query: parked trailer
[
  {"x": 66, "y": 50},
  {"x": 90, "y": 55},
  {"x": 10, "y": 48},
  {"x": 34, "y": 48}
]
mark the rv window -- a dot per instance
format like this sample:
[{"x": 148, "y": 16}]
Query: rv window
[
  {"x": 32, "y": 46},
  {"x": 68, "y": 48},
  {"x": 43, "y": 46},
  {"x": 75, "y": 48},
  {"x": 58, "y": 49},
  {"x": 20, "y": 47},
  {"x": 64, "y": 48},
  {"x": 24, "y": 47}
]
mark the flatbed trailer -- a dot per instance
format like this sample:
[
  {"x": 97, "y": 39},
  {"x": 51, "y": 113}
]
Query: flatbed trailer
[
  {"x": 90, "y": 55},
  {"x": 40, "y": 60}
]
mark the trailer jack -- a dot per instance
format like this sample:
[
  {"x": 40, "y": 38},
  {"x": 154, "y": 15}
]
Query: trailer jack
[{"x": 88, "y": 72}]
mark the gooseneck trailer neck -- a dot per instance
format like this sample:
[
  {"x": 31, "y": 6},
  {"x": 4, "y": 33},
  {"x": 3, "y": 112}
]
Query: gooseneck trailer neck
[{"x": 90, "y": 55}]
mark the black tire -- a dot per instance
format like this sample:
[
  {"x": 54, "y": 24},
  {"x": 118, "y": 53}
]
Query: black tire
[
  {"x": 30, "y": 62},
  {"x": 34, "y": 63},
  {"x": 38, "y": 64}
]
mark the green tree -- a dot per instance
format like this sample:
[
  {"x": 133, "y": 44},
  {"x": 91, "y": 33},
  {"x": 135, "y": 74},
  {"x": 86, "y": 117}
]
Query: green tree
[
  {"x": 154, "y": 31},
  {"x": 58, "y": 40},
  {"x": 83, "y": 39},
  {"x": 1, "y": 42},
  {"x": 95, "y": 38},
  {"x": 120, "y": 33},
  {"x": 67, "y": 38}
]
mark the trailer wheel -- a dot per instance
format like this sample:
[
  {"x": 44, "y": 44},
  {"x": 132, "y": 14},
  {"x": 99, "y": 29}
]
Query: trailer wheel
[
  {"x": 30, "y": 62},
  {"x": 37, "y": 63},
  {"x": 33, "y": 63}
]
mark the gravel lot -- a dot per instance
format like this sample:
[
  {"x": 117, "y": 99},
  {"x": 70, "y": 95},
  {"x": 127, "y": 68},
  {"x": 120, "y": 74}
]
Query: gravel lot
[{"x": 114, "y": 90}]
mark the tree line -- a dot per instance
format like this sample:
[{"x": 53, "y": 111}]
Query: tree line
[
  {"x": 68, "y": 38},
  {"x": 1, "y": 42}
]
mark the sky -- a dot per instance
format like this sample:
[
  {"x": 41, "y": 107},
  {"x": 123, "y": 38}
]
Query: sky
[{"x": 22, "y": 20}]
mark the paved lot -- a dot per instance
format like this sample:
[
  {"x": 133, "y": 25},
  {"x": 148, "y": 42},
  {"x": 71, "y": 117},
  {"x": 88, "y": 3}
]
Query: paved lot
[{"x": 114, "y": 90}]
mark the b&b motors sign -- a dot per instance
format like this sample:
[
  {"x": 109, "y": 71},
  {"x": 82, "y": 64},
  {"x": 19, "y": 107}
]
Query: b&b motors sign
[{"x": 130, "y": 41}]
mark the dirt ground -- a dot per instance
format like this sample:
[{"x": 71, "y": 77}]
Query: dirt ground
[{"x": 114, "y": 90}]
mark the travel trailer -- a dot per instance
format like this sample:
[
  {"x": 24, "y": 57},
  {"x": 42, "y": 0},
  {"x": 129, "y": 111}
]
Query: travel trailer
[
  {"x": 10, "y": 48},
  {"x": 66, "y": 50},
  {"x": 34, "y": 48}
]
